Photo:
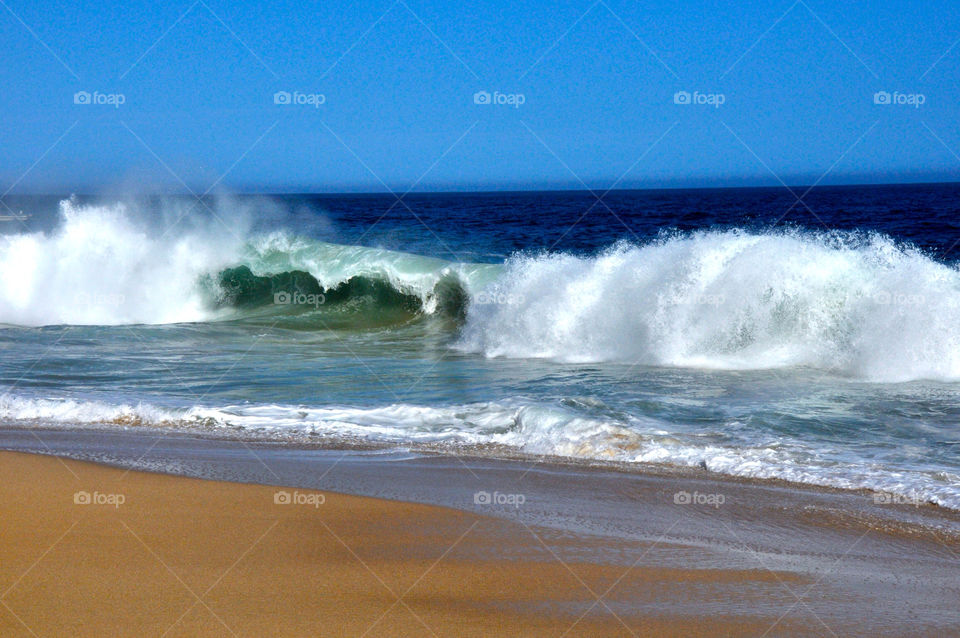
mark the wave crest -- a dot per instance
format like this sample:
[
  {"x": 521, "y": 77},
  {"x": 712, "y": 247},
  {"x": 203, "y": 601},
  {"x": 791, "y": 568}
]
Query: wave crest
[
  {"x": 855, "y": 304},
  {"x": 104, "y": 265}
]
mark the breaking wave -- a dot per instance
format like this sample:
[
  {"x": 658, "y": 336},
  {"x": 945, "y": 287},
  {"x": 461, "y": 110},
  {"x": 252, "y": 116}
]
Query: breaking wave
[
  {"x": 856, "y": 304},
  {"x": 101, "y": 265}
]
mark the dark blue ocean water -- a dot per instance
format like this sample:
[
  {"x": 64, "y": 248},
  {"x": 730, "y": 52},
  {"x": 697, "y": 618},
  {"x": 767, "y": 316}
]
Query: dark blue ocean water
[
  {"x": 489, "y": 227},
  {"x": 814, "y": 340}
]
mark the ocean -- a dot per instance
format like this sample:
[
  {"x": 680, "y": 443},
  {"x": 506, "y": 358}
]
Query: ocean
[{"x": 746, "y": 331}]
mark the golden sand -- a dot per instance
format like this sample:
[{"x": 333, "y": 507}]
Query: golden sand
[{"x": 157, "y": 555}]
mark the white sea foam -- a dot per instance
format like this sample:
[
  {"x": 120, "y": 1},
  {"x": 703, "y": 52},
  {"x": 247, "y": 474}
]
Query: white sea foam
[
  {"x": 535, "y": 429},
  {"x": 861, "y": 306},
  {"x": 100, "y": 266}
]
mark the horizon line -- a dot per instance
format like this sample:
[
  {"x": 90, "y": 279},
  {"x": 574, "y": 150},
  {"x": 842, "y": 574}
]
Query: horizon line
[{"x": 490, "y": 191}]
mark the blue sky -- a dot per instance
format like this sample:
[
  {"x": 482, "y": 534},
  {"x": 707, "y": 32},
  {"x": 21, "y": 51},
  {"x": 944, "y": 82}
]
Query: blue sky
[{"x": 588, "y": 94}]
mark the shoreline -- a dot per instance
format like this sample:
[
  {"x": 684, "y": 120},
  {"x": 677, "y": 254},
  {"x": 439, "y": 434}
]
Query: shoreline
[
  {"x": 140, "y": 552},
  {"x": 868, "y": 569},
  {"x": 508, "y": 455}
]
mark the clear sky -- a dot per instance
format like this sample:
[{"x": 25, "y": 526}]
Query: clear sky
[{"x": 579, "y": 93}]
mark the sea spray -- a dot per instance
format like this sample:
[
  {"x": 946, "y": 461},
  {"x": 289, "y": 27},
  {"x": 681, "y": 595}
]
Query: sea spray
[
  {"x": 859, "y": 305},
  {"x": 106, "y": 265}
]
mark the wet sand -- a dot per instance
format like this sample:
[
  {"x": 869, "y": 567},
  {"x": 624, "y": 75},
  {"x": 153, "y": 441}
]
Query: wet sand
[
  {"x": 152, "y": 554},
  {"x": 417, "y": 555}
]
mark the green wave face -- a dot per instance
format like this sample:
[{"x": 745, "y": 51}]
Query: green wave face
[
  {"x": 297, "y": 299},
  {"x": 309, "y": 284}
]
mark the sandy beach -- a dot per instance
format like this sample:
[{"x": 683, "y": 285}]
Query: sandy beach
[{"x": 91, "y": 550}]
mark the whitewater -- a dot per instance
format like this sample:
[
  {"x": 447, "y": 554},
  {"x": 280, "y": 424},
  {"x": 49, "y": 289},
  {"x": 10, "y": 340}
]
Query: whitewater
[
  {"x": 854, "y": 303},
  {"x": 827, "y": 358}
]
